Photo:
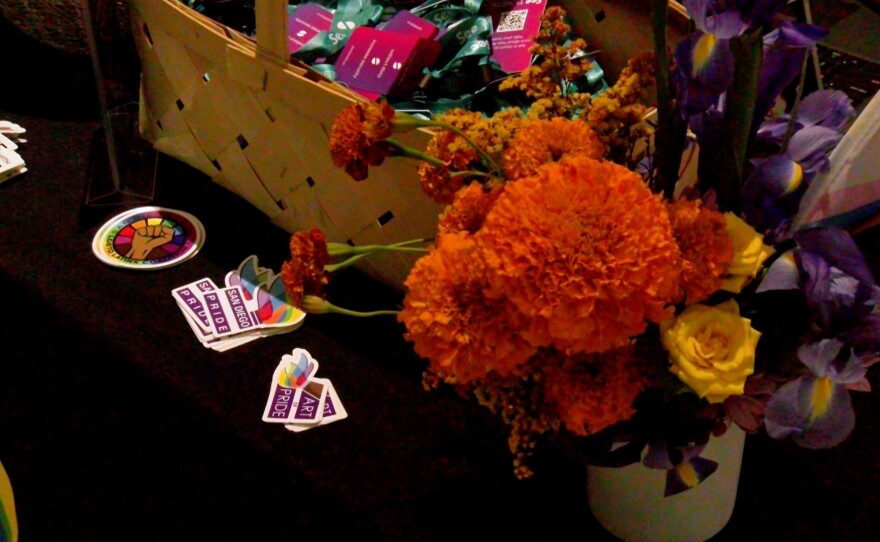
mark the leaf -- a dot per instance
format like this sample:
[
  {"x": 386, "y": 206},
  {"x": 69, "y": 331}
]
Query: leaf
[
  {"x": 861, "y": 385},
  {"x": 746, "y": 412}
]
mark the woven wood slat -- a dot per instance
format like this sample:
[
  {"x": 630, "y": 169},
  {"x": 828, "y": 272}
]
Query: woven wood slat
[{"x": 259, "y": 126}]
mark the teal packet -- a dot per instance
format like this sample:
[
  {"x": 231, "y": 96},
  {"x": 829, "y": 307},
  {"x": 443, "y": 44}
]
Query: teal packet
[{"x": 347, "y": 15}]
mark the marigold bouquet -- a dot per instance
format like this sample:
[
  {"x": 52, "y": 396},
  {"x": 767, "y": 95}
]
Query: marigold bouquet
[{"x": 581, "y": 288}]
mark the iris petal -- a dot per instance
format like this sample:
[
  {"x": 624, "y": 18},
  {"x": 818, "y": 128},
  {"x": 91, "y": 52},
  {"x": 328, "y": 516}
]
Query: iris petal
[
  {"x": 832, "y": 109},
  {"x": 782, "y": 274},
  {"x": 782, "y": 417},
  {"x": 788, "y": 413},
  {"x": 716, "y": 18},
  {"x": 688, "y": 474},
  {"x": 811, "y": 142},
  {"x": 837, "y": 247},
  {"x": 818, "y": 356},
  {"x": 705, "y": 71},
  {"x": 760, "y": 12},
  {"x": 838, "y": 302},
  {"x": 829, "y": 426},
  {"x": 772, "y": 193},
  {"x": 707, "y": 59},
  {"x": 820, "y": 399},
  {"x": 784, "y": 50},
  {"x": 702, "y": 53}
]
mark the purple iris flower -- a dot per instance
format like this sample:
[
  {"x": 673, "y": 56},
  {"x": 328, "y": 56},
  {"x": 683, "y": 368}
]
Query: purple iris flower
[
  {"x": 842, "y": 294},
  {"x": 688, "y": 469},
  {"x": 704, "y": 58},
  {"x": 782, "y": 61},
  {"x": 831, "y": 109},
  {"x": 773, "y": 191},
  {"x": 840, "y": 289},
  {"x": 815, "y": 409}
]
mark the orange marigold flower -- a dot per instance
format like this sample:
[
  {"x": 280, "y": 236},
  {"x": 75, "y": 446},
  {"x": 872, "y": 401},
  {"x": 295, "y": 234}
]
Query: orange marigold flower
[
  {"x": 304, "y": 274},
  {"x": 378, "y": 120},
  {"x": 705, "y": 247},
  {"x": 585, "y": 250},
  {"x": 468, "y": 209},
  {"x": 456, "y": 155},
  {"x": 452, "y": 323},
  {"x": 357, "y": 135},
  {"x": 592, "y": 392},
  {"x": 542, "y": 141}
]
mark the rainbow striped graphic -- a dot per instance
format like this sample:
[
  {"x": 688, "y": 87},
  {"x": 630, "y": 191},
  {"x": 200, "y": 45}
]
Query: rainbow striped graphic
[{"x": 8, "y": 521}]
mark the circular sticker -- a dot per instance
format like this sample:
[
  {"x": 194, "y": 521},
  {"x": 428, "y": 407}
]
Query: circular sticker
[{"x": 148, "y": 238}]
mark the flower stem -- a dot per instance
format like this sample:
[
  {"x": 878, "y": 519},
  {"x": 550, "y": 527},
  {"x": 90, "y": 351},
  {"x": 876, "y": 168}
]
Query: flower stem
[
  {"x": 340, "y": 310},
  {"x": 487, "y": 160},
  {"x": 469, "y": 173},
  {"x": 792, "y": 119},
  {"x": 404, "y": 122},
  {"x": 409, "y": 152},
  {"x": 721, "y": 163},
  {"x": 357, "y": 252},
  {"x": 671, "y": 127},
  {"x": 336, "y": 249},
  {"x": 315, "y": 305}
]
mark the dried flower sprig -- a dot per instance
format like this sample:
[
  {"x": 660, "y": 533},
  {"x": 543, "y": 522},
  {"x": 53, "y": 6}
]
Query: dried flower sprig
[
  {"x": 551, "y": 82},
  {"x": 618, "y": 114}
]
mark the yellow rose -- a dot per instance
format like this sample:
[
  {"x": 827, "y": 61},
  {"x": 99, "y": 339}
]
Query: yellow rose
[
  {"x": 749, "y": 253},
  {"x": 711, "y": 349}
]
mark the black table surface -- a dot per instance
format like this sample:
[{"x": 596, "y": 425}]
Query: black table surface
[{"x": 117, "y": 424}]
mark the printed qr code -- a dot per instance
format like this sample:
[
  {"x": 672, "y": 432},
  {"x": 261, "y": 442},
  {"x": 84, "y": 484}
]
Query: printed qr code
[{"x": 512, "y": 21}]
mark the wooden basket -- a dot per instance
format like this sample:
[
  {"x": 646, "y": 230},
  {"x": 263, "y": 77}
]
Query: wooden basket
[{"x": 259, "y": 126}]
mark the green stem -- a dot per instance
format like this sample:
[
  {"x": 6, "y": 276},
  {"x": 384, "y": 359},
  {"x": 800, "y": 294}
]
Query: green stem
[
  {"x": 367, "y": 249},
  {"x": 334, "y": 267},
  {"x": 671, "y": 128},
  {"x": 403, "y": 122},
  {"x": 362, "y": 251},
  {"x": 410, "y": 152},
  {"x": 315, "y": 305},
  {"x": 469, "y": 173},
  {"x": 721, "y": 163},
  {"x": 487, "y": 160},
  {"x": 789, "y": 130},
  {"x": 347, "y": 312},
  {"x": 748, "y": 53}
]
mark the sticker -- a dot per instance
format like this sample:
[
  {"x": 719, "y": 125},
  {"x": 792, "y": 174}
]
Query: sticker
[
  {"x": 249, "y": 276},
  {"x": 148, "y": 238},
  {"x": 227, "y": 312},
  {"x": 286, "y": 402},
  {"x": 332, "y": 409},
  {"x": 190, "y": 300},
  {"x": 308, "y": 407}
]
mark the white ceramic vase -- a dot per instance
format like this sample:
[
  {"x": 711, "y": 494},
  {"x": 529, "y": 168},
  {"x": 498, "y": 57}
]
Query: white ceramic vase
[{"x": 629, "y": 501}]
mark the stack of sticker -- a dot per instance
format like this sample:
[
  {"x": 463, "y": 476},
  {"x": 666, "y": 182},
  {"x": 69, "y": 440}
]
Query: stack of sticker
[
  {"x": 148, "y": 238},
  {"x": 297, "y": 398},
  {"x": 252, "y": 303},
  {"x": 11, "y": 164}
]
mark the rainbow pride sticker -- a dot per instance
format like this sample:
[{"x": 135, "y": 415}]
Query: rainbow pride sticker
[{"x": 148, "y": 238}]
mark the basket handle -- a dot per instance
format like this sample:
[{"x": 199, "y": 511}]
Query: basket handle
[{"x": 271, "y": 25}]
